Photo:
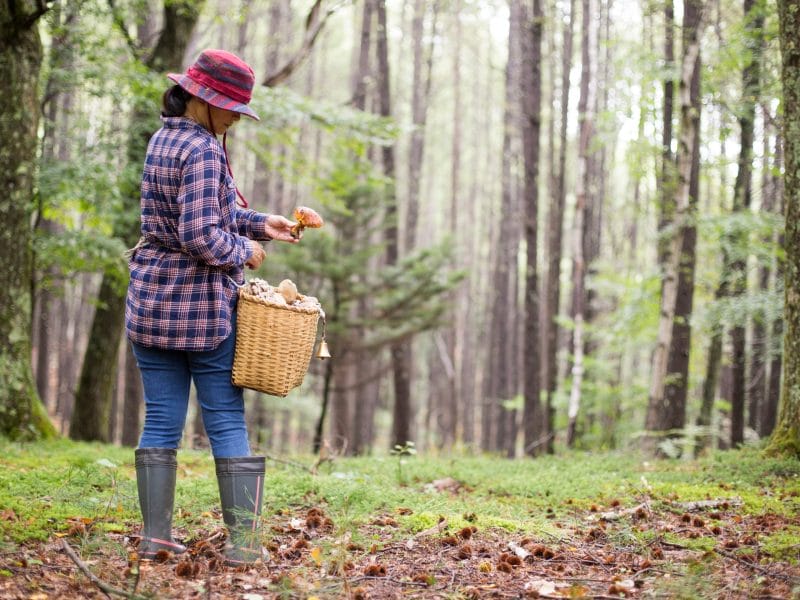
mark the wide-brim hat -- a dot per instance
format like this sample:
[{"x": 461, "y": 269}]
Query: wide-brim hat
[{"x": 220, "y": 78}]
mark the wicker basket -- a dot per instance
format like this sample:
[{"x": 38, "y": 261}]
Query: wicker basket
[{"x": 274, "y": 344}]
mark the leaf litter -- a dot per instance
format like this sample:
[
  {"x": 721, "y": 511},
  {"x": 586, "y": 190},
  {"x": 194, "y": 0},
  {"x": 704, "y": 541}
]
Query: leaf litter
[{"x": 609, "y": 551}]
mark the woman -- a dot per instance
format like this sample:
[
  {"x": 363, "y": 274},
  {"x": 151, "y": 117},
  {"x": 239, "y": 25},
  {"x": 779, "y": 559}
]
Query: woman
[{"x": 180, "y": 312}]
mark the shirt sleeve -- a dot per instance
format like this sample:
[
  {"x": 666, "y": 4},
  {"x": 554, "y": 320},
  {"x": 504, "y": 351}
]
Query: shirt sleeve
[
  {"x": 199, "y": 230},
  {"x": 252, "y": 224}
]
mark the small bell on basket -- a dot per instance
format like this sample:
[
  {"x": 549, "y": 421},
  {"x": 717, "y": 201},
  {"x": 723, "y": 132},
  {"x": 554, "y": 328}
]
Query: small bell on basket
[{"x": 322, "y": 351}]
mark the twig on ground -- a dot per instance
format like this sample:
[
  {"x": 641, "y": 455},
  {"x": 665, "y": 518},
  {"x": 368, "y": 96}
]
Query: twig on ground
[
  {"x": 613, "y": 515},
  {"x": 757, "y": 567},
  {"x": 102, "y": 585},
  {"x": 717, "y": 503},
  {"x": 389, "y": 579}
]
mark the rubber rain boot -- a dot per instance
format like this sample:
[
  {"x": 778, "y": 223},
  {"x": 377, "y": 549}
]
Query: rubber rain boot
[
  {"x": 241, "y": 485},
  {"x": 155, "y": 478}
]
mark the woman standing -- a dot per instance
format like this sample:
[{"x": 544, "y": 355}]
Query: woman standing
[{"x": 180, "y": 312}]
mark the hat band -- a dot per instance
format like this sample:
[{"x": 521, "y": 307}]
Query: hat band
[{"x": 233, "y": 92}]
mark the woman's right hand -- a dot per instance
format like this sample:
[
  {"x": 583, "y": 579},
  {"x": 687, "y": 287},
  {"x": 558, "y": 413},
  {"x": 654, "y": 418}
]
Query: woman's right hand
[{"x": 257, "y": 256}]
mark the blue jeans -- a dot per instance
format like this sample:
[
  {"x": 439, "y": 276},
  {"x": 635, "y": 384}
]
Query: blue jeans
[{"x": 167, "y": 376}]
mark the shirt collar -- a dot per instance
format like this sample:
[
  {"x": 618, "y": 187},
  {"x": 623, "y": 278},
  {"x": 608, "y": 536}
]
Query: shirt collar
[{"x": 182, "y": 123}]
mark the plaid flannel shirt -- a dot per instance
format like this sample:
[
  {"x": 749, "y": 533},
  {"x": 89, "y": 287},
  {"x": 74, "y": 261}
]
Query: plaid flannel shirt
[{"x": 186, "y": 267}]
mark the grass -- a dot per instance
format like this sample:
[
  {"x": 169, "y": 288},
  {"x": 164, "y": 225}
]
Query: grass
[
  {"x": 50, "y": 489},
  {"x": 50, "y": 484}
]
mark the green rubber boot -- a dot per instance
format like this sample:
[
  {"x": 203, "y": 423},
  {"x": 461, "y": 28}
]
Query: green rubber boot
[
  {"x": 155, "y": 478},
  {"x": 241, "y": 487}
]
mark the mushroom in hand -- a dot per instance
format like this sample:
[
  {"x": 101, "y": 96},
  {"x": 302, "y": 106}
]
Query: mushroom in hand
[{"x": 305, "y": 217}]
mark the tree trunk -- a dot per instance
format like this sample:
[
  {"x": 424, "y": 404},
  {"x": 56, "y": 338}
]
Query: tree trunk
[
  {"x": 555, "y": 228},
  {"x": 447, "y": 401},
  {"x": 93, "y": 398},
  {"x": 759, "y": 344},
  {"x": 402, "y": 430},
  {"x": 586, "y": 120},
  {"x": 666, "y": 177},
  {"x": 657, "y": 408},
  {"x": 420, "y": 94},
  {"x": 741, "y": 204},
  {"x": 786, "y": 437},
  {"x": 499, "y": 383},
  {"x": 677, "y": 384},
  {"x": 530, "y": 83},
  {"x": 769, "y": 409},
  {"x": 22, "y": 414}
]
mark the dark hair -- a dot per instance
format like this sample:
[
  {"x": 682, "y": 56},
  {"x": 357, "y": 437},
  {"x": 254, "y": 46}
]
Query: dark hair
[{"x": 174, "y": 101}]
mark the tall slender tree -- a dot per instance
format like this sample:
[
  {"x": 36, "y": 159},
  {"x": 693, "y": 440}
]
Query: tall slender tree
[
  {"x": 753, "y": 27},
  {"x": 657, "y": 407},
  {"x": 531, "y": 92},
  {"x": 786, "y": 437},
  {"x": 582, "y": 197},
  {"x": 677, "y": 384},
  {"x": 555, "y": 228},
  {"x": 499, "y": 383}
]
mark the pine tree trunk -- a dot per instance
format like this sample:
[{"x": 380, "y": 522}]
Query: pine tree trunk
[
  {"x": 769, "y": 409},
  {"x": 786, "y": 437},
  {"x": 741, "y": 204},
  {"x": 498, "y": 385},
  {"x": 657, "y": 409},
  {"x": 555, "y": 228},
  {"x": 531, "y": 89},
  {"x": 759, "y": 343},
  {"x": 586, "y": 119},
  {"x": 666, "y": 182},
  {"x": 677, "y": 384},
  {"x": 22, "y": 414}
]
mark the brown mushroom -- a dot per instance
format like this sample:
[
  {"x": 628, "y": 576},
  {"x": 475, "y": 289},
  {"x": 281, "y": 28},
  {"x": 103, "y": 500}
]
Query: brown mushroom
[{"x": 305, "y": 217}]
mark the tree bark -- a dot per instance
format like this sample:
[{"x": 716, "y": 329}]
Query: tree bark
[
  {"x": 677, "y": 384},
  {"x": 555, "y": 228},
  {"x": 22, "y": 414},
  {"x": 499, "y": 382},
  {"x": 586, "y": 120},
  {"x": 769, "y": 409},
  {"x": 530, "y": 83},
  {"x": 657, "y": 407},
  {"x": 786, "y": 437},
  {"x": 741, "y": 204},
  {"x": 667, "y": 175}
]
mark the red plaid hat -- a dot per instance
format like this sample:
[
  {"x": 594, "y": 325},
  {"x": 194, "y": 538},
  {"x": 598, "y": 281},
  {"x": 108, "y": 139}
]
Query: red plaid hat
[{"x": 220, "y": 78}]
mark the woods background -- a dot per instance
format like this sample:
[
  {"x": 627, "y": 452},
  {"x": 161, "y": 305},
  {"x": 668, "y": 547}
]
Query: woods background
[{"x": 550, "y": 223}]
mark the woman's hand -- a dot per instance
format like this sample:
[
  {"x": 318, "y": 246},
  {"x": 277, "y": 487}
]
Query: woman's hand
[
  {"x": 257, "y": 257},
  {"x": 280, "y": 228}
]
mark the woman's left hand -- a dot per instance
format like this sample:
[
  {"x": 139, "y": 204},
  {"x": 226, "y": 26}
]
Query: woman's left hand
[{"x": 280, "y": 228}]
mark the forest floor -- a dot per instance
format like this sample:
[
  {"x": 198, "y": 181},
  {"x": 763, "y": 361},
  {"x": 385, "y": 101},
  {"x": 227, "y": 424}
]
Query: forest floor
[{"x": 571, "y": 526}]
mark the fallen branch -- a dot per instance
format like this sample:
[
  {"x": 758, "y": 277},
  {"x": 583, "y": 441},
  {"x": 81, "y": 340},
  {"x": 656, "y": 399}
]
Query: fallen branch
[
  {"x": 613, "y": 515},
  {"x": 438, "y": 528},
  {"x": 718, "y": 503},
  {"x": 108, "y": 589}
]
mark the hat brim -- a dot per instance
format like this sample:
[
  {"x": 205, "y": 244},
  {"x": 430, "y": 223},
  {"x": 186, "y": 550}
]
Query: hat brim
[{"x": 214, "y": 98}]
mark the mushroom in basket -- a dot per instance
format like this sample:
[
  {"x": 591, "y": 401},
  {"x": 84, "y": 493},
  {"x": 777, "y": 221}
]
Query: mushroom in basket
[{"x": 305, "y": 217}]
